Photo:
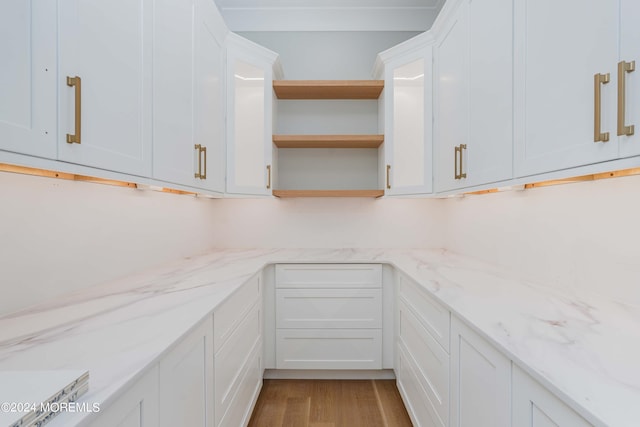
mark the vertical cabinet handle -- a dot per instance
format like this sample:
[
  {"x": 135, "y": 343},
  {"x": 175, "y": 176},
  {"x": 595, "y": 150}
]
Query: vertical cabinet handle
[
  {"x": 456, "y": 150},
  {"x": 77, "y": 83},
  {"x": 199, "y": 148},
  {"x": 268, "y": 177},
  {"x": 203, "y": 150},
  {"x": 462, "y": 174},
  {"x": 598, "y": 81},
  {"x": 623, "y": 69},
  {"x": 388, "y": 177}
]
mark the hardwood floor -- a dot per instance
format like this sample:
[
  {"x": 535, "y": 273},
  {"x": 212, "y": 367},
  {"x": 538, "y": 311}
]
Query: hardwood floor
[{"x": 329, "y": 403}]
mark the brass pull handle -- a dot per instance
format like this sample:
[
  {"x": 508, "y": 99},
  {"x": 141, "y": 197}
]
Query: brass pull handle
[
  {"x": 462, "y": 174},
  {"x": 199, "y": 148},
  {"x": 204, "y": 150},
  {"x": 388, "y": 177},
  {"x": 268, "y": 177},
  {"x": 598, "y": 81},
  {"x": 77, "y": 83},
  {"x": 457, "y": 150},
  {"x": 623, "y": 68}
]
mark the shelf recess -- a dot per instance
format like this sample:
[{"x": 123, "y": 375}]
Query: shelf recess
[
  {"x": 328, "y": 141},
  {"x": 328, "y": 193},
  {"x": 328, "y": 89}
]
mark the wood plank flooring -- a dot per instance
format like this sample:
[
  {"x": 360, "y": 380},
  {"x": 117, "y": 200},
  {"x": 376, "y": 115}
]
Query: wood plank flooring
[{"x": 329, "y": 403}]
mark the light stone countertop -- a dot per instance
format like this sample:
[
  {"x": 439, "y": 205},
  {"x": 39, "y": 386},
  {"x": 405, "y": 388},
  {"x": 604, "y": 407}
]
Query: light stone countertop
[{"x": 584, "y": 348}]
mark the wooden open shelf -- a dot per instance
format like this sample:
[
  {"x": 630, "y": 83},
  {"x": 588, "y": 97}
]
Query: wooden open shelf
[
  {"x": 328, "y": 141},
  {"x": 328, "y": 89},
  {"x": 327, "y": 193}
]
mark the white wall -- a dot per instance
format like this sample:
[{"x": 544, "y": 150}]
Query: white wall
[
  {"x": 582, "y": 237},
  {"x": 57, "y": 236}
]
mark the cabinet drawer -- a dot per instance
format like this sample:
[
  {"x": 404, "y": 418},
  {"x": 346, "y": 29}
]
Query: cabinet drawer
[
  {"x": 329, "y": 349},
  {"x": 232, "y": 358},
  {"x": 433, "y": 315},
  {"x": 232, "y": 311},
  {"x": 328, "y": 276},
  {"x": 430, "y": 361},
  {"x": 329, "y": 308}
]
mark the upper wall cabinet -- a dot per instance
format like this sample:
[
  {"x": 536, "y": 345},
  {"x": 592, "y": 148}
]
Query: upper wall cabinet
[
  {"x": 28, "y": 77},
  {"x": 105, "y": 84},
  {"x": 250, "y": 106},
  {"x": 188, "y": 120},
  {"x": 473, "y": 108},
  {"x": 567, "y": 82},
  {"x": 407, "y": 118}
]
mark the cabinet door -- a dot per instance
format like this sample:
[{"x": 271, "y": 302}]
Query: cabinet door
[
  {"x": 535, "y": 406},
  {"x": 554, "y": 80},
  {"x": 186, "y": 380},
  {"x": 630, "y": 51},
  {"x": 28, "y": 47},
  {"x": 249, "y": 125},
  {"x": 451, "y": 94},
  {"x": 108, "y": 45},
  {"x": 480, "y": 381},
  {"x": 408, "y": 144}
]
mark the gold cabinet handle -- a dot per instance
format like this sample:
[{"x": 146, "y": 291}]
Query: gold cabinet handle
[
  {"x": 598, "y": 81},
  {"x": 203, "y": 150},
  {"x": 268, "y": 177},
  {"x": 388, "y": 177},
  {"x": 456, "y": 175},
  {"x": 77, "y": 83},
  {"x": 199, "y": 148},
  {"x": 462, "y": 174},
  {"x": 623, "y": 69}
]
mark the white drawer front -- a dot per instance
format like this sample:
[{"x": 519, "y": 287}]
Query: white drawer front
[
  {"x": 329, "y": 349},
  {"x": 231, "y": 360},
  {"x": 329, "y": 308},
  {"x": 328, "y": 276},
  {"x": 433, "y": 315},
  {"x": 430, "y": 361},
  {"x": 232, "y": 311}
]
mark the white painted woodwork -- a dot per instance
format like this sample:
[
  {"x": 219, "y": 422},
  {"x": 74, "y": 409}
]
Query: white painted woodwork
[
  {"x": 232, "y": 312},
  {"x": 28, "y": 46},
  {"x": 329, "y": 348},
  {"x": 186, "y": 380},
  {"x": 416, "y": 400},
  {"x": 480, "y": 380},
  {"x": 234, "y": 359},
  {"x": 434, "y": 317},
  {"x": 137, "y": 406},
  {"x": 630, "y": 51},
  {"x": 329, "y": 308},
  {"x": 429, "y": 359},
  {"x": 328, "y": 276},
  {"x": 555, "y": 106},
  {"x": 116, "y": 72},
  {"x": 535, "y": 406}
]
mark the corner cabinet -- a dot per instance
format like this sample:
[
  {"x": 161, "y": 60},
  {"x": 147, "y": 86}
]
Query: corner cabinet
[
  {"x": 188, "y": 121},
  {"x": 250, "y": 114},
  {"x": 406, "y": 116}
]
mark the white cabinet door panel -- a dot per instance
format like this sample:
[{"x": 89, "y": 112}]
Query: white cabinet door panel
[
  {"x": 329, "y": 308},
  {"x": 28, "y": 82},
  {"x": 116, "y": 72},
  {"x": 630, "y": 51}
]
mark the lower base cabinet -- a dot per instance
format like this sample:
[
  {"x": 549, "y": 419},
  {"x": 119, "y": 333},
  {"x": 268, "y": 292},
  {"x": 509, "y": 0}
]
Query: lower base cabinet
[{"x": 535, "y": 406}]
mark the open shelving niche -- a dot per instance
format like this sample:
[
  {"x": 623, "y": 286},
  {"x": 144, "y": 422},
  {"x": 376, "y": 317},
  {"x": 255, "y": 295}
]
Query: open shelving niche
[{"x": 328, "y": 164}]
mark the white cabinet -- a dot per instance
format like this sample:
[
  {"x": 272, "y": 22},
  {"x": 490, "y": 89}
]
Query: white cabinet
[
  {"x": 28, "y": 77},
  {"x": 555, "y": 69},
  {"x": 630, "y": 51},
  {"x": 328, "y": 316},
  {"x": 136, "y": 407},
  {"x": 186, "y": 380},
  {"x": 407, "y": 106},
  {"x": 474, "y": 95},
  {"x": 105, "y": 114},
  {"x": 188, "y": 120},
  {"x": 535, "y": 406},
  {"x": 480, "y": 380},
  {"x": 250, "y": 99},
  {"x": 422, "y": 365}
]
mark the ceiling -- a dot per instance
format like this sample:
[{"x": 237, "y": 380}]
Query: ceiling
[{"x": 329, "y": 15}]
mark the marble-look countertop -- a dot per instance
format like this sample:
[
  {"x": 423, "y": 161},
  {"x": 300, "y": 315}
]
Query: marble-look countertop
[{"x": 584, "y": 348}]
